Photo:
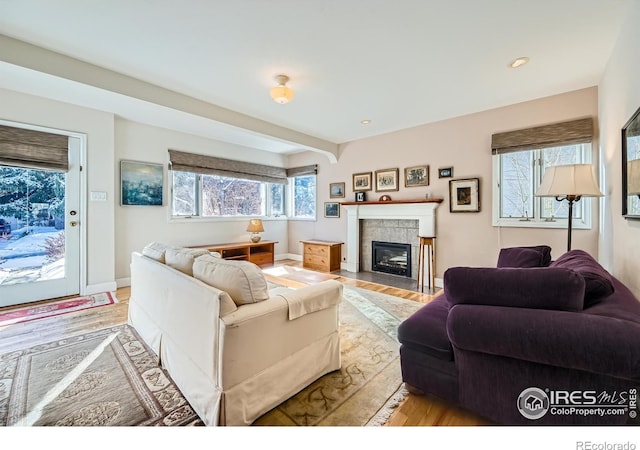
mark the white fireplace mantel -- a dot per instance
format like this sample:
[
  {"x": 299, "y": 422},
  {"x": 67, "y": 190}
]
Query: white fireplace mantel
[{"x": 422, "y": 211}]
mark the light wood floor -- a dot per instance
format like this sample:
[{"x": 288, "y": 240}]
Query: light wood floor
[{"x": 415, "y": 410}]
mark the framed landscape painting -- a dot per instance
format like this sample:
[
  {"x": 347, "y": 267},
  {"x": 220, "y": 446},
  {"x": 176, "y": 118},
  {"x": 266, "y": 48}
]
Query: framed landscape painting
[
  {"x": 331, "y": 209},
  {"x": 336, "y": 190},
  {"x": 141, "y": 183}
]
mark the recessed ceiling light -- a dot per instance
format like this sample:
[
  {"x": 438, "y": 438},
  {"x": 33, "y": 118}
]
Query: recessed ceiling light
[
  {"x": 365, "y": 121},
  {"x": 519, "y": 62}
]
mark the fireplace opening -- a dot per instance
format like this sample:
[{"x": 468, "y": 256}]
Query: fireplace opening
[{"x": 391, "y": 257}]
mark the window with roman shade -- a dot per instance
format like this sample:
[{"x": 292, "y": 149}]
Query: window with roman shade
[
  {"x": 520, "y": 158},
  {"x": 20, "y": 147},
  {"x": 209, "y": 186}
]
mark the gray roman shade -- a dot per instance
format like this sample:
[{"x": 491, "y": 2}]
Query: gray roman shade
[
  {"x": 20, "y": 147},
  {"x": 303, "y": 170},
  {"x": 211, "y": 165},
  {"x": 577, "y": 131}
]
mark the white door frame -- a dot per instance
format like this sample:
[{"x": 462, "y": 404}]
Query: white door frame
[{"x": 82, "y": 194}]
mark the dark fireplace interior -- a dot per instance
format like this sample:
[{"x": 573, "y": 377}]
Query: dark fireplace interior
[{"x": 391, "y": 257}]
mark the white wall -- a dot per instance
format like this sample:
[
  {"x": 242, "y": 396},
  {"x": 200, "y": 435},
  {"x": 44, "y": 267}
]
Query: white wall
[
  {"x": 99, "y": 128},
  {"x": 619, "y": 98},
  {"x": 136, "y": 226},
  {"x": 464, "y": 143}
]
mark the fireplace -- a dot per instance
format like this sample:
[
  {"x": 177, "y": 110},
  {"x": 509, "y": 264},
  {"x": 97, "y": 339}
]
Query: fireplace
[{"x": 391, "y": 257}]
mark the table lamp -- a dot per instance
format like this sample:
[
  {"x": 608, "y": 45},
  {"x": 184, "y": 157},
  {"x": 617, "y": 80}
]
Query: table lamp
[
  {"x": 255, "y": 227},
  {"x": 571, "y": 183}
]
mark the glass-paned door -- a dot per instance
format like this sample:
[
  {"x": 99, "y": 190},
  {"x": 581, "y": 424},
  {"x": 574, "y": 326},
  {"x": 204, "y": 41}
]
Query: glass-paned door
[{"x": 40, "y": 231}]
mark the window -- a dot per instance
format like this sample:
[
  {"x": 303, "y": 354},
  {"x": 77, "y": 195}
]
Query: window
[
  {"x": 304, "y": 197},
  {"x": 520, "y": 159},
  {"x": 217, "y": 196}
]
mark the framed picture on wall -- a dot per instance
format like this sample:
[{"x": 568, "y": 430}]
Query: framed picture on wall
[
  {"x": 336, "y": 190},
  {"x": 416, "y": 176},
  {"x": 362, "y": 181},
  {"x": 464, "y": 195},
  {"x": 386, "y": 180},
  {"x": 331, "y": 209},
  {"x": 445, "y": 172},
  {"x": 141, "y": 183}
]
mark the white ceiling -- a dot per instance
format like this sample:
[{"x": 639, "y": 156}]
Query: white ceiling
[{"x": 399, "y": 63}]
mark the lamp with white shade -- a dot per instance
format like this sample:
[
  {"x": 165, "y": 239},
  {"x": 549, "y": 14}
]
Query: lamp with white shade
[
  {"x": 255, "y": 227},
  {"x": 571, "y": 183}
]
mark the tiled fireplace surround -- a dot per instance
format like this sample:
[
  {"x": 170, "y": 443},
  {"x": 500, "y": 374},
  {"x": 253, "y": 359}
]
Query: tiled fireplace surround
[
  {"x": 403, "y": 231},
  {"x": 388, "y": 222}
]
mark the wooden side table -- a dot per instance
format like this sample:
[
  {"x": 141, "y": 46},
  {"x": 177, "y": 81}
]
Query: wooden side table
[
  {"x": 428, "y": 243},
  {"x": 323, "y": 256}
]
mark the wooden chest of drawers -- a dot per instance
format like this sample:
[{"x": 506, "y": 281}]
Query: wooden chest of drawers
[{"x": 323, "y": 256}]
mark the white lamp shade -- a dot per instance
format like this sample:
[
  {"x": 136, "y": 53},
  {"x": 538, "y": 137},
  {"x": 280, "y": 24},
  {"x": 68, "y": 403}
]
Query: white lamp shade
[
  {"x": 633, "y": 177},
  {"x": 574, "y": 179}
]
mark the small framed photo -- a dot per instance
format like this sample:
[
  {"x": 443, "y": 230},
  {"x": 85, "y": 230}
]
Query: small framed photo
[
  {"x": 361, "y": 196},
  {"x": 464, "y": 195},
  {"x": 445, "y": 172},
  {"x": 362, "y": 181},
  {"x": 331, "y": 209},
  {"x": 416, "y": 176},
  {"x": 386, "y": 180},
  {"x": 141, "y": 183},
  {"x": 336, "y": 190}
]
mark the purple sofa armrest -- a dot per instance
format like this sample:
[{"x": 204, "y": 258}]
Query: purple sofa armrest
[
  {"x": 581, "y": 341},
  {"x": 540, "y": 287}
]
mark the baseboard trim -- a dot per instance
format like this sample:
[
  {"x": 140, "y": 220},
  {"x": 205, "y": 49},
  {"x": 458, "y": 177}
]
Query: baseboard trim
[
  {"x": 292, "y": 256},
  {"x": 98, "y": 288},
  {"x": 123, "y": 282}
]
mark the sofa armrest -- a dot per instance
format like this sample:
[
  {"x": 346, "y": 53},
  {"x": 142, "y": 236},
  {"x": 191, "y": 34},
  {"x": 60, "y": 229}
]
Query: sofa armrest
[
  {"x": 579, "y": 341},
  {"x": 310, "y": 298},
  {"x": 260, "y": 335},
  {"x": 539, "y": 287}
]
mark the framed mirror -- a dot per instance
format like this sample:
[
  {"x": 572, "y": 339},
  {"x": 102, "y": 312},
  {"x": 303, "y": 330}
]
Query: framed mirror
[{"x": 631, "y": 167}]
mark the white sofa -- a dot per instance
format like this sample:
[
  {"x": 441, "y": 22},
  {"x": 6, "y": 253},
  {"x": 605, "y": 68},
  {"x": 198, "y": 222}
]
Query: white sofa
[{"x": 234, "y": 348}]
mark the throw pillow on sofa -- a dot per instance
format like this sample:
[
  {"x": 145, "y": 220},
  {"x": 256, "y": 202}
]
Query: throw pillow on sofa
[
  {"x": 598, "y": 282},
  {"x": 539, "y": 287},
  {"x": 155, "y": 250},
  {"x": 242, "y": 280},
  {"x": 535, "y": 256},
  {"x": 182, "y": 258}
]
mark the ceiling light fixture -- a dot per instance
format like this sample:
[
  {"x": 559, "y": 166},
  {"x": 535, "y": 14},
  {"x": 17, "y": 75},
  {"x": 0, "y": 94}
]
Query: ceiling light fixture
[
  {"x": 365, "y": 121},
  {"x": 519, "y": 62},
  {"x": 281, "y": 93}
]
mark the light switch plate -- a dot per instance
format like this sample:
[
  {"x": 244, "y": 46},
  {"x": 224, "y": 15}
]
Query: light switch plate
[{"x": 98, "y": 196}]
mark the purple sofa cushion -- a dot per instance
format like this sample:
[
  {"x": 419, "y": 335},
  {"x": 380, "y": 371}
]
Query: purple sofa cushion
[
  {"x": 536, "y": 256},
  {"x": 426, "y": 330},
  {"x": 598, "y": 282},
  {"x": 554, "y": 288}
]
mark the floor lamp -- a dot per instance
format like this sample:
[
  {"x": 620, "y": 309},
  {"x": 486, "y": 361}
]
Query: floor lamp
[{"x": 571, "y": 183}]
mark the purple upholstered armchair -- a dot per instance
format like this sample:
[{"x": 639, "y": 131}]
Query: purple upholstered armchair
[{"x": 529, "y": 342}]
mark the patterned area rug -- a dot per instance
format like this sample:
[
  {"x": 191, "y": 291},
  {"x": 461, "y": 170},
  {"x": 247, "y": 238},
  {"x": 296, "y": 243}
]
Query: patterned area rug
[
  {"x": 41, "y": 310},
  {"x": 369, "y": 384},
  {"x": 106, "y": 378}
]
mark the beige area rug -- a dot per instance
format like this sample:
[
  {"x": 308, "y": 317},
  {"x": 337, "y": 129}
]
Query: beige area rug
[
  {"x": 106, "y": 378},
  {"x": 369, "y": 386}
]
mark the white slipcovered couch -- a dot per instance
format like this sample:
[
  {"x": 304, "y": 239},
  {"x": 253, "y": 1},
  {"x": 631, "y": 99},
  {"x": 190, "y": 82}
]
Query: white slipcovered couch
[{"x": 234, "y": 348}]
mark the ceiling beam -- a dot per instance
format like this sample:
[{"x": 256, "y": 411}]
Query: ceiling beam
[{"x": 26, "y": 55}]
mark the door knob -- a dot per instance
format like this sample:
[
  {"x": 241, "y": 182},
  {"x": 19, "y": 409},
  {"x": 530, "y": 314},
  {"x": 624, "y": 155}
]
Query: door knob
[{"x": 73, "y": 223}]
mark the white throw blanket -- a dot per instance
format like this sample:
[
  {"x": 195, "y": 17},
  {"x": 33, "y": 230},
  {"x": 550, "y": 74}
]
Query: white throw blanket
[{"x": 314, "y": 298}]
